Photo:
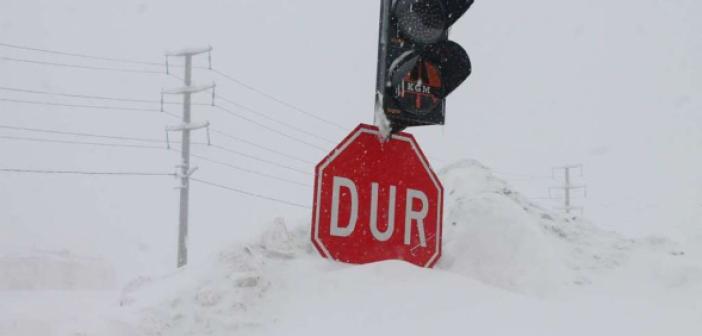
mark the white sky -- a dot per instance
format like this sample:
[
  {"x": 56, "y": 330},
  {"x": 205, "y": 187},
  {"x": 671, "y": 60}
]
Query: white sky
[{"x": 615, "y": 85}]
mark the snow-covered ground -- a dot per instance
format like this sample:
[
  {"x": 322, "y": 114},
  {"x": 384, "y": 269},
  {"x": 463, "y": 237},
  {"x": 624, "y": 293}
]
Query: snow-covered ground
[
  {"x": 55, "y": 271},
  {"x": 614, "y": 85},
  {"x": 509, "y": 267}
]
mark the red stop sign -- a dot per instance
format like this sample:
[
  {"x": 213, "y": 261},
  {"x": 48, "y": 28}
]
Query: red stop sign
[{"x": 377, "y": 201}]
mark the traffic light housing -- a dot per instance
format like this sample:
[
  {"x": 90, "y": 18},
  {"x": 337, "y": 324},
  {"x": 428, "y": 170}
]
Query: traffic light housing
[{"x": 418, "y": 67}]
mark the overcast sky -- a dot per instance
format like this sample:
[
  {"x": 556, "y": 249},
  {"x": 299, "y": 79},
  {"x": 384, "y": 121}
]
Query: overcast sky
[{"x": 614, "y": 85}]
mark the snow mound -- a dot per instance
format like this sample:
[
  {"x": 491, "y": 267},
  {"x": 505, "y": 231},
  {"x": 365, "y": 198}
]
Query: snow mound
[
  {"x": 500, "y": 250},
  {"x": 221, "y": 297},
  {"x": 494, "y": 234},
  {"x": 48, "y": 270}
]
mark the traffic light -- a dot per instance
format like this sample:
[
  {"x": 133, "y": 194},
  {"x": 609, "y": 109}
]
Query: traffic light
[{"x": 418, "y": 67}]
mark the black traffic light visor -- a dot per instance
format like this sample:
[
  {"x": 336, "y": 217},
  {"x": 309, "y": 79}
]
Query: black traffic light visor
[
  {"x": 426, "y": 21},
  {"x": 451, "y": 59},
  {"x": 454, "y": 64},
  {"x": 456, "y": 8}
]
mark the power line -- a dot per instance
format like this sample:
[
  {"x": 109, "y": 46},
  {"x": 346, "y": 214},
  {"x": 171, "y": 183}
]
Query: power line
[
  {"x": 249, "y": 171},
  {"x": 86, "y": 67},
  {"x": 252, "y": 157},
  {"x": 81, "y": 134},
  {"x": 130, "y": 61},
  {"x": 248, "y": 142},
  {"x": 83, "y": 96},
  {"x": 143, "y": 100},
  {"x": 228, "y": 150},
  {"x": 522, "y": 177},
  {"x": 251, "y": 143},
  {"x": 100, "y": 58},
  {"x": 283, "y": 134},
  {"x": 87, "y": 56},
  {"x": 98, "y": 107},
  {"x": 79, "y": 95},
  {"x": 256, "y": 145},
  {"x": 112, "y": 137},
  {"x": 76, "y": 172},
  {"x": 115, "y": 145},
  {"x": 68, "y": 142},
  {"x": 149, "y": 140},
  {"x": 277, "y": 100},
  {"x": 33, "y": 102},
  {"x": 267, "y": 117},
  {"x": 159, "y": 141},
  {"x": 248, "y": 193}
]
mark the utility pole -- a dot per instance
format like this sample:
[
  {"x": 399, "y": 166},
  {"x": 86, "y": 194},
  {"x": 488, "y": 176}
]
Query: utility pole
[
  {"x": 184, "y": 170},
  {"x": 379, "y": 118},
  {"x": 568, "y": 187}
]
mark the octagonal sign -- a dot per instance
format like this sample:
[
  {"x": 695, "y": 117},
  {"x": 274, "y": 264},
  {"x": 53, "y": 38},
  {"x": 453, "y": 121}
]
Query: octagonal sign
[{"x": 376, "y": 200}]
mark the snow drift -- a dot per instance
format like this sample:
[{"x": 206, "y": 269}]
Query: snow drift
[
  {"x": 494, "y": 234},
  {"x": 502, "y": 255}
]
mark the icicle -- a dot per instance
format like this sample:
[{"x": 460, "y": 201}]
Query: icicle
[
  {"x": 380, "y": 119},
  {"x": 167, "y": 72},
  {"x": 168, "y": 141},
  {"x": 162, "y": 102},
  {"x": 209, "y": 57}
]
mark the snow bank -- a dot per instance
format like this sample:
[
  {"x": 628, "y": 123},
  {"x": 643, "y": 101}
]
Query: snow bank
[
  {"x": 224, "y": 296},
  {"x": 45, "y": 270},
  {"x": 494, "y": 234},
  {"x": 503, "y": 255}
]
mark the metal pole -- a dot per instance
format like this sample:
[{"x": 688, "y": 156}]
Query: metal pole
[
  {"x": 185, "y": 171},
  {"x": 385, "y": 6},
  {"x": 568, "y": 187},
  {"x": 383, "y": 44}
]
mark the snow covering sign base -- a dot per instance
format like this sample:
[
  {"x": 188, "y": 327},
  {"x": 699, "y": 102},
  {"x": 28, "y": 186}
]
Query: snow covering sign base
[{"x": 377, "y": 200}]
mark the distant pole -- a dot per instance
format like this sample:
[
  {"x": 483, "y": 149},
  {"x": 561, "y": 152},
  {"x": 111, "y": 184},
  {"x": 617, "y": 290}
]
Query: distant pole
[
  {"x": 185, "y": 170},
  {"x": 568, "y": 187},
  {"x": 186, "y": 127}
]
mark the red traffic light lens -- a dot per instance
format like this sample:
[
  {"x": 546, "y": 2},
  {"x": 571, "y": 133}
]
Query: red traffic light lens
[
  {"x": 422, "y": 21},
  {"x": 419, "y": 91}
]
